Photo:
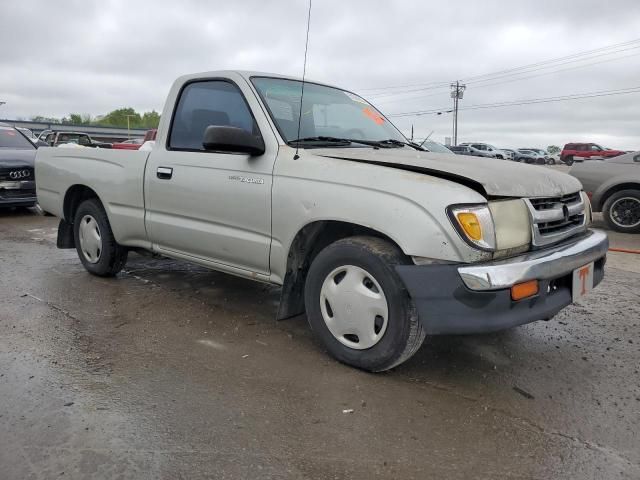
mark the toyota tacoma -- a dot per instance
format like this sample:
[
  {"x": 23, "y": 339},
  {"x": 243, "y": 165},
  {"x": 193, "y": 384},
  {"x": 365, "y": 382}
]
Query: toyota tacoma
[{"x": 310, "y": 187}]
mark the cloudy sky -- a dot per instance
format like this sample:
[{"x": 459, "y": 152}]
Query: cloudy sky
[{"x": 94, "y": 56}]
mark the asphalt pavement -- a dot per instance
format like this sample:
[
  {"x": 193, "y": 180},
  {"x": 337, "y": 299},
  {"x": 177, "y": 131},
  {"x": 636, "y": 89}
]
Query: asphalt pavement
[{"x": 171, "y": 371}]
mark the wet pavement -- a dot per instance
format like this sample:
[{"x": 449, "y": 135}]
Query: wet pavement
[{"x": 171, "y": 371}]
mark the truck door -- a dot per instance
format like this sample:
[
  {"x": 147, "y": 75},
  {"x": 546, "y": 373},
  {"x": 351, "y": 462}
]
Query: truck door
[{"x": 211, "y": 206}]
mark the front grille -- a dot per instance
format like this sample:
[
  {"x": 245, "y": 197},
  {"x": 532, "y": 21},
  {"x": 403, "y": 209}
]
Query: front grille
[
  {"x": 556, "y": 218},
  {"x": 16, "y": 174},
  {"x": 550, "y": 202}
]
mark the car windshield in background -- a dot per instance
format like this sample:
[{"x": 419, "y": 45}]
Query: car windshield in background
[
  {"x": 11, "y": 138},
  {"x": 328, "y": 114}
]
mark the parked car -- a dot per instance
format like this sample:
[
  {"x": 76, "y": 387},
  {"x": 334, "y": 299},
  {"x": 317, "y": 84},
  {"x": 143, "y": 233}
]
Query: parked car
[
  {"x": 614, "y": 188},
  {"x": 530, "y": 156},
  {"x": 490, "y": 150},
  {"x": 55, "y": 138},
  {"x": 431, "y": 146},
  {"x": 17, "y": 179},
  {"x": 548, "y": 159},
  {"x": 468, "y": 150},
  {"x": 133, "y": 144},
  {"x": 575, "y": 152},
  {"x": 379, "y": 242}
]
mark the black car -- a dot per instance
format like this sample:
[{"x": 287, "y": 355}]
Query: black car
[{"x": 17, "y": 161}]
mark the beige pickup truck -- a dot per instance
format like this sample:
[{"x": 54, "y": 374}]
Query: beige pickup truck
[{"x": 380, "y": 242}]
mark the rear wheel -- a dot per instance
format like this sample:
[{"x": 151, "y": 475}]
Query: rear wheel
[
  {"x": 621, "y": 211},
  {"x": 96, "y": 246},
  {"x": 358, "y": 307}
]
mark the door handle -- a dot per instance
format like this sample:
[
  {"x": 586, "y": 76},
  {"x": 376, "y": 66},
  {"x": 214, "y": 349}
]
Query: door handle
[{"x": 164, "y": 173}]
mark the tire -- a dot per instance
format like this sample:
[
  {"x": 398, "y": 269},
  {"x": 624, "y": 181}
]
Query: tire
[
  {"x": 551, "y": 161},
  {"x": 568, "y": 160},
  {"x": 368, "y": 264},
  {"x": 619, "y": 218},
  {"x": 101, "y": 255}
]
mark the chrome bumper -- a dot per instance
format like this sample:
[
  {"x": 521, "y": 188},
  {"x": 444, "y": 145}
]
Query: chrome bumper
[{"x": 541, "y": 265}]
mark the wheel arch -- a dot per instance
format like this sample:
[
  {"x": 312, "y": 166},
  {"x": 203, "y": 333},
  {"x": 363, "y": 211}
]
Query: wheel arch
[
  {"x": 74, "y": 196},
  {"x": 618, "y": 187},
  {"x": 306, "y": 244}
]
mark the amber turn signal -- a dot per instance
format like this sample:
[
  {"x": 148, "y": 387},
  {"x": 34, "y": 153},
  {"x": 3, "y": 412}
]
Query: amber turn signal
[
  {"x": 470, "y": 224},
  {"x": 524, "y": 290}
]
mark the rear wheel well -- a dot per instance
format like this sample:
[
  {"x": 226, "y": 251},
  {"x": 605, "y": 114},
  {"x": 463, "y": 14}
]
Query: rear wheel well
[
  {"x": 73, "y": 198},
  {"x": 614, "y": 189},
  {"x": 308, "y": 242}
]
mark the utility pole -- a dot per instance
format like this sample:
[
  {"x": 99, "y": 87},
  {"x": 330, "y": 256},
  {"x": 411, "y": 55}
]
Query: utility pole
[
  {"x": 128, "y": 133},
  {"x": 457, "y": 93}
]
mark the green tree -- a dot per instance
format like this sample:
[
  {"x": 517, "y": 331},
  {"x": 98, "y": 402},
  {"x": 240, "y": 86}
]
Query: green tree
[{"x": 553, "y": 149}]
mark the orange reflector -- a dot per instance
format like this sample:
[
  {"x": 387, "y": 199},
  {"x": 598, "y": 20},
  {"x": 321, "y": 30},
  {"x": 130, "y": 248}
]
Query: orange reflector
[{"x": 524, "y": 290}]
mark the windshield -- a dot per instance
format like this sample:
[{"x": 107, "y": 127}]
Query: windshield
[
  {"x": 11, "y": 138},
  {"x": 326, "y": 112},
  {"x": 435, "y": 147}
]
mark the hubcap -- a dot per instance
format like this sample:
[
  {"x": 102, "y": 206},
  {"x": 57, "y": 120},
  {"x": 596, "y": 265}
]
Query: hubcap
[
  {"x": 625, "y": 212},
  {"x": 354, "y": 307},
  {"x": 90, "y": 239}
]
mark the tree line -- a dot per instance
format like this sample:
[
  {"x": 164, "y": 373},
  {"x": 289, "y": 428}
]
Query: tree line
[{"x": 116, "y": 118}]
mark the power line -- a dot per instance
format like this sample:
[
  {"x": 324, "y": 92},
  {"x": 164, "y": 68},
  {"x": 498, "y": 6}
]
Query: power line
[
  {"x": 530, "y": 101},
  {"x": 483, "y": 85},
  {"x": 512, "y": 71}
]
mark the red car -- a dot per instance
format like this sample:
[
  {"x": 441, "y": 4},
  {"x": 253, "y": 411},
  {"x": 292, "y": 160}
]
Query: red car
[
  {"x": 580, "y": 151},
  {"x": 133, "y": 144}
]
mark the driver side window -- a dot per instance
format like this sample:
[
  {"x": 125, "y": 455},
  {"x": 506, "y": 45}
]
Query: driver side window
[{"x": 206, "y": 103}]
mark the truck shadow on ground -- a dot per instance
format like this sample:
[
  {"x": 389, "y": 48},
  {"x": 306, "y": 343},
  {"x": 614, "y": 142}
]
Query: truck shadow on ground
[{"x": 440, "y": 355}]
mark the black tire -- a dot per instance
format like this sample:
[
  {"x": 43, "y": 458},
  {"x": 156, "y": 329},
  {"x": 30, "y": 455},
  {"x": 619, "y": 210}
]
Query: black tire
[
  {"x": 404, "y": 333},
  {"x": 551, "y": 161},
  {"x": 112, "y": 257},
  {"x": 568, "y": 160},
  {"x": 612, "y": 215}
]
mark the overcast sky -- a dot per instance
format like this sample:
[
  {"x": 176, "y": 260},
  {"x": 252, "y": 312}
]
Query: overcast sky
[{"x": 94, "y": 56}]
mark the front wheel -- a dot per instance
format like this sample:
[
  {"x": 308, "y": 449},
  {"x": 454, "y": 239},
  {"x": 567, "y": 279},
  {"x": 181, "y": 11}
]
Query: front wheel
[
  {"x": 622, "y": 211},
  {"x": 96, "y": 246},
  {"x": 357, "y": 306}
]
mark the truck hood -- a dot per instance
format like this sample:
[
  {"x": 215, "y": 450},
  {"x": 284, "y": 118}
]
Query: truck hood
[{"x": 495, "y": 178}]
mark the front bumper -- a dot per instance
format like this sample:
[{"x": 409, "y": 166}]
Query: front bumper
[
  {"x": 18, "y": 193},
  {"x": 476, "y": 298}
]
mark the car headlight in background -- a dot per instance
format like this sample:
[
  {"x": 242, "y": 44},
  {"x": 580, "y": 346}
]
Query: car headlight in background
[
  {"x": 500, "y": 225},
  {"x": 475, "y": 225}
]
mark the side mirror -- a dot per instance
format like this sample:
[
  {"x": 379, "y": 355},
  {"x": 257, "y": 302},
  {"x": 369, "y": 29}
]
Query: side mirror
[{"x": 232, "y": 139}]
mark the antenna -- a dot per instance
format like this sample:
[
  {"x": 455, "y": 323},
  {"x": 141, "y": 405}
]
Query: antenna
[
  {"x": 428, "y": 136},
  {"x": 304, "y": 73}
]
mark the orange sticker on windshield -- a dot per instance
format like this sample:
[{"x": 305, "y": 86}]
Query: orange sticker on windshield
[{"x": 373, "y": 116}]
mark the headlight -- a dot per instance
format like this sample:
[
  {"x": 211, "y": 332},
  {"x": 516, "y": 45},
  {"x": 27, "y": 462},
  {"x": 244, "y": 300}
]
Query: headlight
[
  {"x": 474, "y": 224},
  {"x": 512, "y": 223},
  {"x": 498, "y": 226}
]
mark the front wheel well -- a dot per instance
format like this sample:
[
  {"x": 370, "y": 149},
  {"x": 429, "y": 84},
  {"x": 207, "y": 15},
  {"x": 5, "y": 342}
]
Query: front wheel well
[
  {"x": 307, "y": 243},
  {"x": 616, "y": 188}
]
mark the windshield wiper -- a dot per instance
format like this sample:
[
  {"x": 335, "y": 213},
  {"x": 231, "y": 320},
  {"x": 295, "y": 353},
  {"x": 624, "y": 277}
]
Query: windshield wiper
[
  {"x": 320, "y": 139},
  {"x": 400, "y": 143}
]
